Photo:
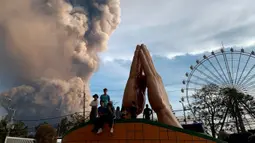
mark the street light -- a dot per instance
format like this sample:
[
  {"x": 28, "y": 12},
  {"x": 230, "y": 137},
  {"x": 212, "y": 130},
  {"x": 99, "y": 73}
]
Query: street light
[{"x": 184, "y": 114}]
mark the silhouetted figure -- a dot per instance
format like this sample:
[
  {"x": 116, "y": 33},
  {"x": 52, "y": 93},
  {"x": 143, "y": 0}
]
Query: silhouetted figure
[
  {"x": 105, "y": 97},
  {"x": 110, "y": 115},
  {"x": 147, "y": 112},
  {"x": 118, "y": 113},
  {"x": 133, "y": 110},
  {"x": 123, "y": 113},
  {"x": 94, "y": 104}
]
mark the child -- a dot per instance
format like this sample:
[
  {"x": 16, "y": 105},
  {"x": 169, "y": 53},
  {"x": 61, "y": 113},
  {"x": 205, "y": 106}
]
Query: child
[{"x": 94, "y": 104}]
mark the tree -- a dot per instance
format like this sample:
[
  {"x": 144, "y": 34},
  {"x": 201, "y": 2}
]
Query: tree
[
  {"x": 36, "y": 127},
  {"x": 63, "y": 126},
  {"x": 75, "y": 120},
  {"x": 18, "y": 129},
  {"x": 46, "y": 134},
  {"x": 238, "y": 106},
  {"x": 207, "y": 107},
  {"x": 68, "y": 122},
  {"x": 219, "y": 107}
]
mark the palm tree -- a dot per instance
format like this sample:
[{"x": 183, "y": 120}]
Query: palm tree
[{"x": 238, "y": 105}]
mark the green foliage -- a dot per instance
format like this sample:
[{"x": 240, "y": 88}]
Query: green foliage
[
  {"x": 19, "y": 129},
  {"x": 63, "y": 126},
  {"x": 69, "y": 122},
  {"x": 207, "y": 106}
]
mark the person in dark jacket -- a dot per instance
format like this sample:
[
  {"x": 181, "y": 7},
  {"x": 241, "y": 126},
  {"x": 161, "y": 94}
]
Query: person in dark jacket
[
  {"x": 102, "y": 111},
  {"x": 106, "y": 115},
  {"x": 133, "y": 110},
  {"x": 147, "y": 112}
]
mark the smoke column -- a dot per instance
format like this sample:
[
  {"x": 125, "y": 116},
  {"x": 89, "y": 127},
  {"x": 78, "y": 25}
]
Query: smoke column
[{"x": 48, "y": 52}]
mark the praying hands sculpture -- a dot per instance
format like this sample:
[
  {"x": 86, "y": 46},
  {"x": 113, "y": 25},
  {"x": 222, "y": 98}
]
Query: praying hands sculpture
[{"x": 144, "y": 75}]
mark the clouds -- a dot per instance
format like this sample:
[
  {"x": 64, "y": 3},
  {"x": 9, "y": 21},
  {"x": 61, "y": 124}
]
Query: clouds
[
  {"x": 114, "y": 74},
  {"x": 177, "y": 27},
  {"x": 177, "y": 32}
]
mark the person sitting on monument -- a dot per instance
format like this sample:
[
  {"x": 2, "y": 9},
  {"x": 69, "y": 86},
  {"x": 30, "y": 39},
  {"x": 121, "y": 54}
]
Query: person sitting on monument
[
  {"x": 106, "y": 115},
  {"x": 94, "y": 104},
  {"x": 133, "y": 110},
  {"x": 123, "y": 113},
  {"x": 105, "y": 97},
  {"x": 110, "y": 115},
  {"x": 147, "y": 112},
  {"x": 118, "y": 113},
  {"x": 101, "y": 111}
]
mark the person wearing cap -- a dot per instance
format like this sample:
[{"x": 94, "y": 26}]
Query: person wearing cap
[
  {"x": 94, "y": 104},
  {"x": 105, "y": 97}
]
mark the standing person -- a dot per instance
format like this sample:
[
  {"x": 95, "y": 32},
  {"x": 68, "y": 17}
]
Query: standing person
[
  {"x": 118, "y": 113},
  {"x": 105, "y": 97},
  {"x": 133, "y": 110},
  {"x": 147, "y": 112},
  {"x": 94, "y": 104}
]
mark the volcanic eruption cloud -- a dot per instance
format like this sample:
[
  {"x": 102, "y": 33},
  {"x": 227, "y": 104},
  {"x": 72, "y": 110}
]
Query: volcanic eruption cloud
[{"x": 48, "y": 52}]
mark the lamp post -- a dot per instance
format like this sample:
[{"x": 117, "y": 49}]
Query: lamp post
[
  {"x": 184, "y": 109},
  {"x": 84, "y": 104}
]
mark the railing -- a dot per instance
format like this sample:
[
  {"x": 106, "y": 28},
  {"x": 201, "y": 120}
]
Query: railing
[{"x": 9, "y": 139}]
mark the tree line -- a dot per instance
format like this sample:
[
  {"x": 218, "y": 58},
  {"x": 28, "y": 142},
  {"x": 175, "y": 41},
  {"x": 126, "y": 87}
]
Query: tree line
[
  {"x": 222, "y": 108},
  {"x": 19, "y": 129}
]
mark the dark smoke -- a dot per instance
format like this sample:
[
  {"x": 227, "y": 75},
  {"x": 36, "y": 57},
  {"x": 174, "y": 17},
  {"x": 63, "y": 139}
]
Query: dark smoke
[{"x": 48, "y": 52}]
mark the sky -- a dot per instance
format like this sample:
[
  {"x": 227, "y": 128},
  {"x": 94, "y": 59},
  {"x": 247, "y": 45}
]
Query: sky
[{"x": 177, "y": 33}]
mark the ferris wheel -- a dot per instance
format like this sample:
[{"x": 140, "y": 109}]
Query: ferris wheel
[{"x": 224, "y": 68}]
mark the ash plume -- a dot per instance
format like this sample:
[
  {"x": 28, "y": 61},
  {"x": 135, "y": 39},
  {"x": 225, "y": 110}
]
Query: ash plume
[{"x": 48, "y": 52}]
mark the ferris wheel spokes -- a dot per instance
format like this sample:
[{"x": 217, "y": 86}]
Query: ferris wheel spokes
[
  {"x": 205, "y": 80},
  {"x": 220, "y": 80},
  {"x": 247, "y": 74},
  {"x": 222, "y": 70},
  {"x": 227, "y": 66},
  {"x": 224, "y": 81},
  {"x": 244, "y": 68}
]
